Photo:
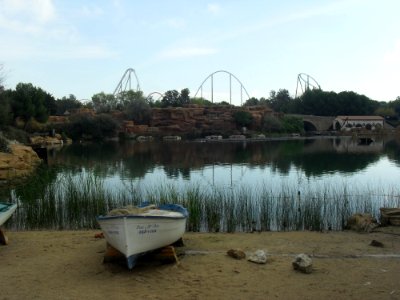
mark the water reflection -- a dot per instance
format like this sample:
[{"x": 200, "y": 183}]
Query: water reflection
[
  {"x": 134, "y": 160},
  {"x": 83, "y": 180}
]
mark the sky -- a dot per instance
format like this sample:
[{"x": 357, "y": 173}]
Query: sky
[{"x": 84, "y": 47}]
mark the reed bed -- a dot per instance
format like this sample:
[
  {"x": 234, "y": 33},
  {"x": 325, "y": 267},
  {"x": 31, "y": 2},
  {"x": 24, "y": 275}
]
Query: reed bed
[{"x": 74, "y": 201}]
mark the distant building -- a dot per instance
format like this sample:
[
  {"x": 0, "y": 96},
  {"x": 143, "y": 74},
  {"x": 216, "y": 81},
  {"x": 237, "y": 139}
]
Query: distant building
[{"x": 350, "y": 122}]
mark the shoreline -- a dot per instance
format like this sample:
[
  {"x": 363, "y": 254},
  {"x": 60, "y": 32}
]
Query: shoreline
[{"x": 68, "y": 265}]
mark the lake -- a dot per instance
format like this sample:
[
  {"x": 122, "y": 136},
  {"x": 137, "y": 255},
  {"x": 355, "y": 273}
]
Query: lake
[{"x": 313, "y": 183}]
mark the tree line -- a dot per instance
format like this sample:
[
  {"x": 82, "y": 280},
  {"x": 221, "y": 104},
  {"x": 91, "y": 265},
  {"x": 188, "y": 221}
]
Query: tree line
[
  {"x": 322, "y": 103},
  {"x": 27, "y": 102}
]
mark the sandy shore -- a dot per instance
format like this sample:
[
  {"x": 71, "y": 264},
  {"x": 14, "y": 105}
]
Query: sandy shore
[{"x": 68, "y": 265}]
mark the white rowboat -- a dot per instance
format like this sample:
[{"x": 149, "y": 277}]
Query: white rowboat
[
  {"x": 6, "y": 210},
  {"x": 137, "y": 233}
]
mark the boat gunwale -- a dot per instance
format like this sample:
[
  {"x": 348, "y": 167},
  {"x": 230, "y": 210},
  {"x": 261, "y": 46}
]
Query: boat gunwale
[{"x": 99, "y": 218}]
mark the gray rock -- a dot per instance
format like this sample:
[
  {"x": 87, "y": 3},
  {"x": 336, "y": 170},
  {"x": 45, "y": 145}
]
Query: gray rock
[
  {"x": 258, "y": 257},
  {"x": 302, "y": 263}
]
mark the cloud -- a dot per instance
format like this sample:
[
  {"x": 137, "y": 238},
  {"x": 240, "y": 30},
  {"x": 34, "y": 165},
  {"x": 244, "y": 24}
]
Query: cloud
[
  {"x": 41, "y": 11},
  {"x": 28, "y": 25},
  {"x": 213, "y": 8},
  {"x": 184, "y": 52},
  {"x": 29, "y": 16}
]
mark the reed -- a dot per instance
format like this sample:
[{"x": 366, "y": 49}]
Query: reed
[
  {"x": 193, "y": 201},
  {"x": 73, "y": 201}
]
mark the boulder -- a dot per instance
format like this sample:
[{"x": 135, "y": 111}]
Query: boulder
[
  {"x": 258, "y": 257},
  {"x": 46, "y": 140},
  {"x": 236, "y": 253},
  {"x": 21, "y": 162},
  {"x": 302, "y": 263},
  {"x": 361, "y": 222},
  {"x": 376, "y": 243}
]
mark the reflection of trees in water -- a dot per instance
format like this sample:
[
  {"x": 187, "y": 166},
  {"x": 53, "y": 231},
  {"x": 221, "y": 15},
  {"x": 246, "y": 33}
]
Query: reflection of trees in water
[
  {"x": 392, "y": 149},
  {"x": 317, "y": 157},
  {"x": 321, "y": 163},
  {"x": 135, "y": 160},
  {"x": 34, "y": 187}
]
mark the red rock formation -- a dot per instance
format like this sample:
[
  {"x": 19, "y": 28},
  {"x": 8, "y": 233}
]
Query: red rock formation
[{"x": 204, "y": 119}]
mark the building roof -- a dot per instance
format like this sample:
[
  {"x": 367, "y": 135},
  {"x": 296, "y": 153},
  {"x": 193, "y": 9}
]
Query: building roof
[{"x": 360, "y": 118}]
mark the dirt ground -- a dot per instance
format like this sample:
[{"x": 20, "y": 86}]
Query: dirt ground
[{"x": 68, "y": 265}]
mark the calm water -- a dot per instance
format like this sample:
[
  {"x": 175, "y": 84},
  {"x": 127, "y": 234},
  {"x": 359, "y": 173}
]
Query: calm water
[
  {"x": 291, "y": 166},
  {"x": 298, "y": 163}
]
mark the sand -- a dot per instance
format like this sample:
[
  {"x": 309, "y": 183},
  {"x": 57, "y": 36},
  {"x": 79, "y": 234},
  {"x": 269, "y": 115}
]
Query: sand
[{"x": 68, "y": 265}]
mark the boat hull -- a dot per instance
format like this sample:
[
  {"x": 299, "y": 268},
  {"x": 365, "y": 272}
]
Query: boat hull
[
  {"x": 134, "y": 235},
  {"x": 6, "y": 211}
]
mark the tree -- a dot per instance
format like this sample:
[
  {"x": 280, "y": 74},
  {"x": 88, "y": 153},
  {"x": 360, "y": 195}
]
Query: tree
[
  {"x": 6, "y": 114},
  {"x": 29, "y": 102},
  {"x": 67, "y": 104},
  {"x": 184, "y": 97},
  {"x": 124, "y": 99},
  {"x": 96, "y": 127},
  {"x": 136, "y": 107},
  {"x": 395, "y": 105},
  {"x": 2, "y": 76},
  {"x": 386, "y": 112},
  {"x": 252, "y": 102},
  {"x": 171, "y": 98},
  {"x": 280, "y": 101},
  {"x": 200, "y": 101},
  {"x": 104, "y": 102},
  {"x": 175, "y": 99},
  {"x": 321, "y": 103},
  {"x": 5, "y": 106}
]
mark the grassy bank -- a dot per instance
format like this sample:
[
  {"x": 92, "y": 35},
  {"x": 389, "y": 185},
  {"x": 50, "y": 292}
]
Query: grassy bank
[{"x": 73, "y": 202}]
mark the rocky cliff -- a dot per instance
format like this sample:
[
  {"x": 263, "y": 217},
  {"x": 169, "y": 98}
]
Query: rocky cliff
[{"x": 201, "y": 120}]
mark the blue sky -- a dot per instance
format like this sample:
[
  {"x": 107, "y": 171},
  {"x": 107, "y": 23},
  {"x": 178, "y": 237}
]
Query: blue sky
[{"x": 84, "y": 47}]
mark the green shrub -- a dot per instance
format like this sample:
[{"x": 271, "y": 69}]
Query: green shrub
[
  {"x": 242, "y": 118},
  {"x": 92, "y": 127},
  {"x": 292, "y": 124},
  {"x": 272, "y": 124}
]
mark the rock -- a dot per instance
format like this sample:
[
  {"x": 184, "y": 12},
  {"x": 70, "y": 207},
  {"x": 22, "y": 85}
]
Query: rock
[
  {"x": 376, "y": 243},
  {"x": 361, "y": 222},
  {"x": 302, "y": 263},
  {"x": 21, "y": 162},
  {"x": 180, "y": 120},
  {"x": 46, "y": 140},
  {"x": 258, "y": 257},
  {"x": 236, "y": 253}
]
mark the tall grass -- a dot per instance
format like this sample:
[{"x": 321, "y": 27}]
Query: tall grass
[{"x": 74, "y": 201}]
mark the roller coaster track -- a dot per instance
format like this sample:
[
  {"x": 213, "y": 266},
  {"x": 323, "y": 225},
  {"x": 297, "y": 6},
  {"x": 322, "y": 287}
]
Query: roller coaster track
[
  {"x": 211, "y": 77},
  {"x": 305, "y": 81},
  {"x": 126, "y": 82},
  {"x": 150, "y": 96}
]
